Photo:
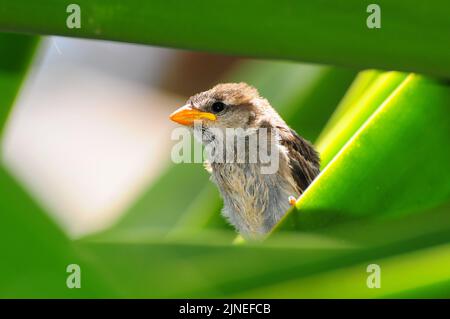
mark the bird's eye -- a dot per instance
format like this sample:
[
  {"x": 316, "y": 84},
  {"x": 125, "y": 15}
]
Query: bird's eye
[{"x": 217, "y": 107}]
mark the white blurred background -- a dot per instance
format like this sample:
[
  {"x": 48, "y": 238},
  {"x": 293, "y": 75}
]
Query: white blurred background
[{"x": 90, "y": 128}]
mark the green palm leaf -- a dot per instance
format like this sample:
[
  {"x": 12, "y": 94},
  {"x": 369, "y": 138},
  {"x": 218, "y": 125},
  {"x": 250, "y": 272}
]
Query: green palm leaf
[{"x": 315, "y": 31}]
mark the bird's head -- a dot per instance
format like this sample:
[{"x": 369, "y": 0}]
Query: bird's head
[{"x": 229, "y": 105}]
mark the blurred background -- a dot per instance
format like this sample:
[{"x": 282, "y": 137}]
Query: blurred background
[{"x": 90, "y": 128}]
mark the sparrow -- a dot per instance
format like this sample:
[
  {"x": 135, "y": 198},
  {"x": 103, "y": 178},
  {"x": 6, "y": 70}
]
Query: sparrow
[{"x": 254, "y": 200}]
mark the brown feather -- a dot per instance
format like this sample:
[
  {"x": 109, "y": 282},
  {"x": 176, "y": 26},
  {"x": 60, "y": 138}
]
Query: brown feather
[{"x": 304, "y": 161}]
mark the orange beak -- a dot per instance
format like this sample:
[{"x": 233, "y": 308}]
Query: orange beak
[{"x": 186, "y": 115}]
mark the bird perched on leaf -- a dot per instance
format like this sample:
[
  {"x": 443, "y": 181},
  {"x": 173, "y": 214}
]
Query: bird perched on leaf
[{"x": 254, "y": 200}]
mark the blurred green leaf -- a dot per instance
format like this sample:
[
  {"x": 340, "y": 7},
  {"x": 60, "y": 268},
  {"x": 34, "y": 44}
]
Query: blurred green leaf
[
  {"x": 159, "y": 269},
  {"x": 35, "y": 252},
  {"x": 399, "y": 274},
  {"x": 332, "y": 262},
  {"x": 15, "y": 53},
  {"x": 316, "y": 31}
]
